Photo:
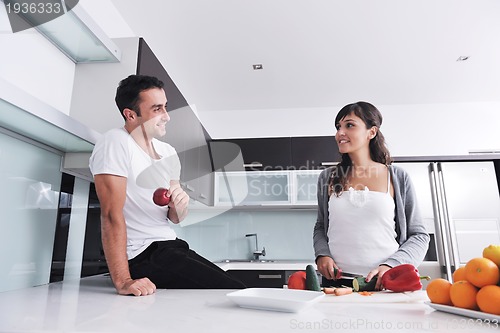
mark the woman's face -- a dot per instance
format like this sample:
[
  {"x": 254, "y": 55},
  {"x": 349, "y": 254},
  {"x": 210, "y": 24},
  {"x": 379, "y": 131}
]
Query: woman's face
[{"x": 352, "y": 135}]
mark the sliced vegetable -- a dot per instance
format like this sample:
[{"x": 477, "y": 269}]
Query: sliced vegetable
[
  {"x": 329, "y": 290},
  {"x": 312, "y": 281},
  {"x": 365, "y": 293},
  {"x": 342, "y": 291},
  {"x": 360, "y": 284}
]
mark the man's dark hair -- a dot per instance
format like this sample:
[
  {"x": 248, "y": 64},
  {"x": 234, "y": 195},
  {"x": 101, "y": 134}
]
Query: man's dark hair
[{"x": 127, "y": 93}]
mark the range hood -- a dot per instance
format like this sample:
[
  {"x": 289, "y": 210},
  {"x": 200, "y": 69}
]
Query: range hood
[{"x": 69, "y": 27}]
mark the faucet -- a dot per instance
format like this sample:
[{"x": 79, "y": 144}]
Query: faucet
[{"x": 257, "y": 253}]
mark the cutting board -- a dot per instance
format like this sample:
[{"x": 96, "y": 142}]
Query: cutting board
[{"x": 378, "y": 297}]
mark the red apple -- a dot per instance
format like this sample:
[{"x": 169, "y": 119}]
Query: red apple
[
  {"x": 297, "y": 280},
  {"x": 161, "y": 197}
]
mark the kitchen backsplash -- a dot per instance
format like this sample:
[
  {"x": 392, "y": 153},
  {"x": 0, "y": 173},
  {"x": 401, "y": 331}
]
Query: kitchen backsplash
[{"x": 285, "y": 234}]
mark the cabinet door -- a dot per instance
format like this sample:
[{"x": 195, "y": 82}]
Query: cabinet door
[
  {"x": 252, "y": 188},
  {"x": 315, "y": 152},
  {"x": 264, "y": 153},
  {"x": 305, "y": 187},
  {"x": 260, "y": 278}
]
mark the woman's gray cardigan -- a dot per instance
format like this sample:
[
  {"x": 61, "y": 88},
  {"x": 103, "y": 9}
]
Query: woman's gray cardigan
[{"x": 412, "y": 237}]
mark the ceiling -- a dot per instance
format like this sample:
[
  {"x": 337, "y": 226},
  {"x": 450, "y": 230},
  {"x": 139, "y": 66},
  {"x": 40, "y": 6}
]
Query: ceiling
[{"x": 317, "y": 56}]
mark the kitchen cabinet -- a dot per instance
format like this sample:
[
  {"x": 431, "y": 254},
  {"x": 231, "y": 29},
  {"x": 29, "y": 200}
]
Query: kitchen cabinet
[
  {"x": 264, "y": 153},
  {"x": 314, "y": 152},
  {"x": 260, "y": 278},
  {"x": 184, "y": 131},
  {"x": 252, "y": 188},
  {"x": 305, "y": 186},
  {"x": 290, "y": 153},
  {"x": 266, "y": 188}
]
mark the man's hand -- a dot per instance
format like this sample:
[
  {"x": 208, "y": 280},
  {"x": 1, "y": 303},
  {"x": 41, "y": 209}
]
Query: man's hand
[
  {"x": 139, "y": 287},
  {"x": 179, "y": 201}
]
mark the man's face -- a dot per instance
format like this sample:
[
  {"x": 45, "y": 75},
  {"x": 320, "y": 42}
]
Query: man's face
[{"x": 153, "y": 109}]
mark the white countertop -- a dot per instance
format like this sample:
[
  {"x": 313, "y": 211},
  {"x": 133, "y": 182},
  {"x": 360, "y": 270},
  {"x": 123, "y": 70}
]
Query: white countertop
[{"x": 91, "y": 305}]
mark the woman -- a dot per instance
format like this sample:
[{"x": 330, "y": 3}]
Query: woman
[{"x": 368, "y": 220}]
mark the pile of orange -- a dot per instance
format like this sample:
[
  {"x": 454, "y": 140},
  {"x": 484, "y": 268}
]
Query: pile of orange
[{"x": 475, "y": 286}]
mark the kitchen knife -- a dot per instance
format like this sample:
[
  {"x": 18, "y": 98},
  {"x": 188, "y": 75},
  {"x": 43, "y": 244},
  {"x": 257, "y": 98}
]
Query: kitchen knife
[
  {"x": 349, "y": 275},
  {"x": 339, "y": 274}
]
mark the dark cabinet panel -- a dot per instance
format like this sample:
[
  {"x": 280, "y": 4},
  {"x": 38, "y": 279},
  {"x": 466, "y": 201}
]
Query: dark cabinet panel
[
  {"x": 304, "y": 153},
  {"x": 264, "y": 153},
  {"x": 260, "y": 278},
  {"x": 184, "y": 131},
  {"x": 314, "y": 152}
]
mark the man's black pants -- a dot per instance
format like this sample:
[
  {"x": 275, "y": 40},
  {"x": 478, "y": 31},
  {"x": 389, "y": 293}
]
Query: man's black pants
[{"x": 172, "y": 265}]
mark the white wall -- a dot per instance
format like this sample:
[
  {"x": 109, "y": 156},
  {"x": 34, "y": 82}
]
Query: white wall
[
  {"x": 411, "y": 129},
  {"x": 93, "y": 101},
  {"x": 32, "y": 63}
]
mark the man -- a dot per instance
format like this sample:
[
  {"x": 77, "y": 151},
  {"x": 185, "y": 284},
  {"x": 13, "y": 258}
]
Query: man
[{"x": 128, "y": 164}]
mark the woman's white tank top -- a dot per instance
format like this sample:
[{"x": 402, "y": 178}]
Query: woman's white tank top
[{"x": 361, "y": 232}]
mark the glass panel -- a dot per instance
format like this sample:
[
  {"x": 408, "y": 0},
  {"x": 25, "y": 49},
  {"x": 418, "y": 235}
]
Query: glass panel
[
  {"x": 77, "y": 40},
  {"x": 306, "y": 186},
  {"x": 473, "y": 205},
  {"x": 253, "y": 188},
  {"x": 31, "y": 126},
  {"x": 30, "y": 182}
]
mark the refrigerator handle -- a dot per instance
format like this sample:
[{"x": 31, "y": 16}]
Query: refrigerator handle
[
  {"x": 449, "y": 223},
  {"x": 441, "y": 234}
]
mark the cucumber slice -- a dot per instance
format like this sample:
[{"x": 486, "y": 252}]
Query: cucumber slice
[{"x": 359, "y": 284}]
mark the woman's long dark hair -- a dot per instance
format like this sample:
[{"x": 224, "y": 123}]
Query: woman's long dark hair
[{"x": 378, "y": 150}]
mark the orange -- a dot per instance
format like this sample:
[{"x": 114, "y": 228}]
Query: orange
[
  {"x": 492, "y": 252},
  {"x": 488, "y": 299},
  {"x": 463, "y": 295},
  {"x": 438, "y": 291},
  {"x": 459, "y": 274},
  {"x": 482, "y": 272}
]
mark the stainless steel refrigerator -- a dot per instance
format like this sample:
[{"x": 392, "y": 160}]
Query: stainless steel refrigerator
[{"x": 460, "y": 204}]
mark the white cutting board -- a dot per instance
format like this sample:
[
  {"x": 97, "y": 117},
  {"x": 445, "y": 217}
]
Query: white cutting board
[{"x": 378, "y": 297}]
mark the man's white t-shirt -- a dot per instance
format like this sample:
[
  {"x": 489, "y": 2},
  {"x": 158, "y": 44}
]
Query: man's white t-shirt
[{"x": 117, "y": 153}]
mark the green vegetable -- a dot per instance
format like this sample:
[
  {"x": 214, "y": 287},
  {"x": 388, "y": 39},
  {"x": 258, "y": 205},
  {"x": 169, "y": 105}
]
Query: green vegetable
[
  {"x": 312, "y": 281},
  {"x": 360, "y": 284}
]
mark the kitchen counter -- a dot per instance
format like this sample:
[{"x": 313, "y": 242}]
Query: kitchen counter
[{"x": 91, "y": 305}]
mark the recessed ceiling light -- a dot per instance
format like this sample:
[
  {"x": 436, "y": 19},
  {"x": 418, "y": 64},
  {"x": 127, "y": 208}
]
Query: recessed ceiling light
[
  {"x": 257, "y": 67},
  {"x": 462, "y": 58}
]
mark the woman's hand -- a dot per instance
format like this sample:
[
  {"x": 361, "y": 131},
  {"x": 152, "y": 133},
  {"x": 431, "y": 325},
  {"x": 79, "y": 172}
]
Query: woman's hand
[
  {"x": 378, "y": 272},
  {"x": 325, "y": 267}
]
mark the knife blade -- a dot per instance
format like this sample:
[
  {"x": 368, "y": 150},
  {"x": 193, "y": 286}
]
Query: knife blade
[
  {"x": 350, "y": 275},
  {"x": 339, "y": 274}
]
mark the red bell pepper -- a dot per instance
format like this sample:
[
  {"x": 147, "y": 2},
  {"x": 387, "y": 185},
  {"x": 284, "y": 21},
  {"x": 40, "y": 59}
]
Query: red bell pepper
[{"x": 403, "y": 278}]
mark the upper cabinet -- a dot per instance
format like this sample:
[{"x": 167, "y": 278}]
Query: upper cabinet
[
  {"x": 261, "y": 154},
  {"x": 265, "y": 154},
  {"x": 315, "y": 152}
]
